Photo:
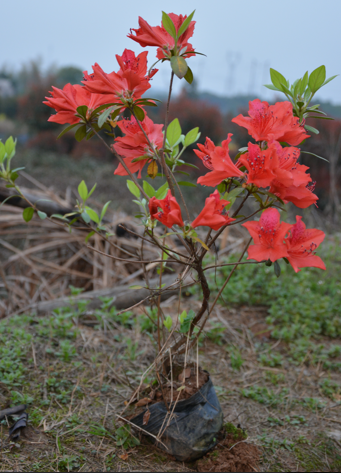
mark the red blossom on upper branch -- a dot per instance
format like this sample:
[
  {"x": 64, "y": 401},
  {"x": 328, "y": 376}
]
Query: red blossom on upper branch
[
  {"x": 276, "y": 122},
  {"x": 167, "y": 210},
  {"x": 148, "y": 35},
  {"x": 134, "y": 144},
  {"x": 128, "y": 84},
  {"x": 213, "y": 215}
]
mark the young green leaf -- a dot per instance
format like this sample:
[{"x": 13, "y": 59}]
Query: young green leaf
[
  {"x": 173, "y": 132},
  {"x": 83, "y": 191},
  {"x": 189, "y": 75},
  {"x": 317, "y": 78},
  {"x": 277, "y": 79},
  {"x": 104, "y": 210},
  {"x": 149, "y": 189},
  {"x": 304, "y": 83},
  {"x": 28, "y": 214},
  {"x": 82, "y": 110},
  {"x": 133, "y": 189},
  {"x": 182, "y": 316},
  {"x": 42, "y": 215},
  {"x": 86, "y": 217},
  {"x": 168, "y": 322},
  {"x": 271, "y": 87},
  {"x": 92, "y": 214},
  {"x": 179, "y": 66},
  {"x": 87, "y": 238},
  {"x": 2, "y": 152},
  {"x": 168, "y": 24},
  {"x": 68, "y": 128},
  {"x": 162, "y": 191},
  {"x": 185, "y": 24},
  {"x": 192, "y": 136},
  {"x": 92, "y": 190},
  {"x": 328, "y": 80},
  {"x": 103, "y": 116},
  {"x": 311, "y": 129}
]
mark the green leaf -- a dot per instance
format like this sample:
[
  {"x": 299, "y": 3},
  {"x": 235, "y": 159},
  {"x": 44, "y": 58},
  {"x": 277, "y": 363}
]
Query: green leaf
[
  {"x": 311, "y": 129},
  {"x": 179, "y": 66},
  {"x": 92, "y": 190},
  {"x": 80, "y": 133},
  {"x": 89, "y": 236},
  {"x": 162, "y": 191},
  {"x": 139, "y": 113},
  {"x": 185, "y": 320},
  {"x": 189, "y": 75},
  {"x": 192, "y": 136},
  {"x": 234, "y": 193},
  {"x": 83, "y": 191},
  {"x": 2, "y": 152},
  {"x": 104, "y": 116},
  {"x": 185, "y": 24},
  {"x": 42, "y": 215},
  {"x": 86, "y": 217},
  {"x": 136, "y": 287},
  {"x": 271, "y": 87},
  {"x": 316, "y": 155},
  {"x": 134, "y": 189},
  {"x": 68, "y": 128},
  {"x": 10, "y": 147},
  {"x": 104, "y": 210},
  {"x": 92, "y": 214},
  {"x": 328, "y": 80},
  {"x": 304, "y": 83},
  {"x": 168, "y": 24},
  {"x": 168, "y": 322},
  {"x": 201, "y": 242},
  {"x": 28, "y": 214},
  {"x": 149, "y": 189},
  {"x": 82, "y": 110},
  {"x": 277, "y": 79},
  {"x": 187, "y": 184},
  {"x": 173, "y": 132},
  {"x": 317, "y": 78},
  {"x": 182, "y": 316},
  {"x": 277, "y": 269}
]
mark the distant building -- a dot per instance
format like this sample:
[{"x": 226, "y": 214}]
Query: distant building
[{"x": 6, "y": 88}]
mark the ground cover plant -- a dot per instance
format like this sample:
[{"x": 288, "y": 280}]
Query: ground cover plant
[{"x": 266, "y": 172}]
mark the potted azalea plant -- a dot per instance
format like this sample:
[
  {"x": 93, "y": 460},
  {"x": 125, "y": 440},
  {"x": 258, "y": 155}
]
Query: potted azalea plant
[{"x": 267, "y": 172}]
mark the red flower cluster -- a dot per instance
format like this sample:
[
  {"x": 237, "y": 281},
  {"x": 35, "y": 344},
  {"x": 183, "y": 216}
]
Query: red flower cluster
[
  {"x": 148, "y": 35},
  {"x": 129, "y": 83},
  {"x": 277, "y": 168},
  {"x": 267, "y": 163},
  {"x": 273, "y": 241},
  {"x": 66, "y": 101},
  {"x": 135, "y": 145}
]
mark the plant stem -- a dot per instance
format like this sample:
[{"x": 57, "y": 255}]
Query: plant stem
[{"x": 163, "y": 161}]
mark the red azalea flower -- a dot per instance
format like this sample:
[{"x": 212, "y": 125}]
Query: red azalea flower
[
  {"x": 302, "y": 244},
  {"x": 217, "y": 158},
  {"x": 130, "y": 82},
  {"x": 213, "y": 215},
  {"x": 166, "y": 211},
  {"x": 276, "y": 121},
  {"x": 134, "y": 144},
  {"x": 148, "y": 35},
  {"x": 268, "y": 235},
  {"x": 261, "y": 165},
  {"x": 302, "y": 196},
  {"x": 289, "y": 171},
  {"x": 66, "y": 101}
]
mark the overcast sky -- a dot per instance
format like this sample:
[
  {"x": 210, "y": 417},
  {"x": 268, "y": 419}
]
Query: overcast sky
[{"x": 242, "y": 39}]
